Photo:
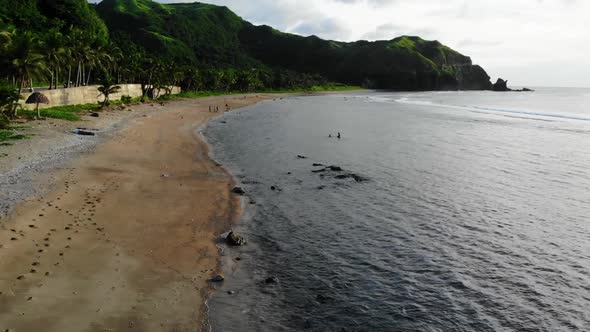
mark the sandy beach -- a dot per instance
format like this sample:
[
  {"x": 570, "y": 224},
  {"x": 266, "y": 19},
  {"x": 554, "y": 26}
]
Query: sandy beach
[{"x": 119, "y": 233}]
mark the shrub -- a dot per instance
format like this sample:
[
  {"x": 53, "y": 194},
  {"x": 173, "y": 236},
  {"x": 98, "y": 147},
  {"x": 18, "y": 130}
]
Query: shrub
[
  {"x": 126, "y": 99},
  {"x": 4, "y": 123}
]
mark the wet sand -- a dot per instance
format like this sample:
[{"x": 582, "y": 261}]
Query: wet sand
[{"x": 125, "y": 239}]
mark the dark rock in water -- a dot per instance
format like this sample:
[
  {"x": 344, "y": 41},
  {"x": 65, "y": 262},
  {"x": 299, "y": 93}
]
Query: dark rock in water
[
  {"x": 335, "y": 168},
  {"x": 217, "y": 278},
  {"x": 301, "y": 157},
  {"x": 321, "y": 187},
  {"x": 231, "y": 292},
  {"x": 322, "y": 298},
  {"x": 238, "y": 190},
  {"x": 319, "y": 170},
  {"x": 501, "y": 85},
  {"x": 317, "y": 164},
  {"x": 356, "y": 177},
  {"x": 359, "y": 178},
  {"x": 235, "y": 239},
  {"x": 95, "y": 115},
  {"x": 289, "y": 173},
  {"x": 223, "y": 121},
  {"x": 271, "y": 280},
  {"x": 524, "y": 90}
]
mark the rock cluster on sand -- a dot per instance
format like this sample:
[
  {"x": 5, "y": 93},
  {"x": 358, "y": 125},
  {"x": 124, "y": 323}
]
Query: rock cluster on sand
[
  {"x": 235, "y": 239},
  {"x": 218, "y": 278},
  {"x": 238, "y": 191}
]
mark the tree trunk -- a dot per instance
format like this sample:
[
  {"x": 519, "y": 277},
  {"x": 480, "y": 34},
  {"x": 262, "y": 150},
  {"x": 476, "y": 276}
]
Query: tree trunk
[
  {"x": 69, "y": 76},
  {"x": 38, "y": 112},
  {"x": 20, "y": 90},
  {"x": 88, "y": 78},
  {"x": 51, "y": 82},
  {"x": 56, "y": 77},
  {"x": 78, "y": 75}
]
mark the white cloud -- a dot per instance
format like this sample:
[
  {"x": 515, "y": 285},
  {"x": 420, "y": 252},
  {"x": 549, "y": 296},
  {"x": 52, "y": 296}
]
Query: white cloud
[{"x": 529, "y": 42}]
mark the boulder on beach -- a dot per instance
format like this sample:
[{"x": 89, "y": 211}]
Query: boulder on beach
[
  {"x": 301, "y": 157},
  {"x": 235, "y": 239},
  {"x": 218, "y": 278},
  {"x": 238, "y": 190},
  {"x": 83, "y": 132}
]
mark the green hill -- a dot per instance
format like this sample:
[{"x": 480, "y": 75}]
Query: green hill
[
  {"x": 207, "y": 47},
  {"x": 206, "y": 35}
]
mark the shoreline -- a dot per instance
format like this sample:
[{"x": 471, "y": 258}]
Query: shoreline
[{"x": 122, "y": 237}]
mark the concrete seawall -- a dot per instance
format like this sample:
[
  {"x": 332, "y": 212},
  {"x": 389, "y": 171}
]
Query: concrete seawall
[{"x": 86, "y": 95}]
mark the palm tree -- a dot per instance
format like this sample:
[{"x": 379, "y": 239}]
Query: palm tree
[
  {"x": 5, "y": 38},
  {"x": 107, "y": 88},
  {"x": 9, "y": 98},
  {"x": 27, "y": 62},
  {"x": 99, "y": 58},
  {"x": 54, "y": 55}
]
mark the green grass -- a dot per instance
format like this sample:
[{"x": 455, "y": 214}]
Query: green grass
[
  {"x": 9, "y": 135},
  {"x": 69, "y": 113}
]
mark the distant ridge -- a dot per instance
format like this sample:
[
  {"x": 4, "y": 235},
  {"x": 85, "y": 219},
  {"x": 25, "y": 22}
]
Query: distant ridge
[{"x": 207, "y": 35}]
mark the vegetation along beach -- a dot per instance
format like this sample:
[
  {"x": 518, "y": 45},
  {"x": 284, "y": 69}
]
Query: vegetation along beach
[{"x": 193, "y": 167}]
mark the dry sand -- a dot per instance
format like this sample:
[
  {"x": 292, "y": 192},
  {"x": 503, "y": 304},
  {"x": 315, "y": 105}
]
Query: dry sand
[{"x": 123, "y": 236}]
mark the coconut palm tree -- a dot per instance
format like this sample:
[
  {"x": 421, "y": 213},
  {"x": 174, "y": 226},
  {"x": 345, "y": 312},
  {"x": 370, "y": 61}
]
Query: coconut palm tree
[
  {"x": 27, "y": 62},
  {"x": 54, "y": 55},
  {"x": 9, "y": 98},
  {"x": 107, "y": 88}
]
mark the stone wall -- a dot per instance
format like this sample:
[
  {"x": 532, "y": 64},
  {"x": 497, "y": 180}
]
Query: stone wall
[{"x": 85, "y": 95}]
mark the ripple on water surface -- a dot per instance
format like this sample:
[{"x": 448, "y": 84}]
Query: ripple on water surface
[{"x": 472, "y": 219}]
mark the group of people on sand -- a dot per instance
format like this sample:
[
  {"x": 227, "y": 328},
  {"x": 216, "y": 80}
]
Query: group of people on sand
[
  {"x": 215, "y": 109},
  {"x": 337, "y": 136}
]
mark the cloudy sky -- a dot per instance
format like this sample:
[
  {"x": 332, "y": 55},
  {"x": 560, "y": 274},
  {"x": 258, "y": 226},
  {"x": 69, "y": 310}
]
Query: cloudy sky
[{"x": 528, "y": 42}]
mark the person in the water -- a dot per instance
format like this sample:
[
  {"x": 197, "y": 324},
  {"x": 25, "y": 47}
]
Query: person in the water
[{"x": 339, "y": 136}]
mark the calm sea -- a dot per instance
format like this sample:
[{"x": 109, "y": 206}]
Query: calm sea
[{"x": 470, "y": 213}]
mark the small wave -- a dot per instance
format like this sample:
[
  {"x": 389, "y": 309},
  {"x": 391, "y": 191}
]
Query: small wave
[{"x": 487, "y": 109}]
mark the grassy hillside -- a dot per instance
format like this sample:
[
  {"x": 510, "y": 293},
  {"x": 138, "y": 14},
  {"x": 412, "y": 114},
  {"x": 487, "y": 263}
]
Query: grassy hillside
[
  {"x": 206, "y": 47},
  {"x": 40, "y": 16},
  {"x": 206, "y": 35}
]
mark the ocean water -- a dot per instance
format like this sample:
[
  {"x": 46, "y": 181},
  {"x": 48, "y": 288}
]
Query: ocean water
[{"x": 471, "y": 213}]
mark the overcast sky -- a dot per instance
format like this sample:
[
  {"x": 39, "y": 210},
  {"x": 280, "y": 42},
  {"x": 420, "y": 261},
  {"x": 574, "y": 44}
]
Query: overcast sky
[{"x": 528, "y": 42}]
